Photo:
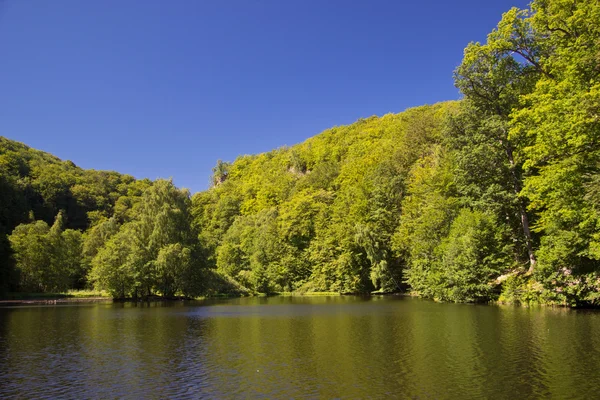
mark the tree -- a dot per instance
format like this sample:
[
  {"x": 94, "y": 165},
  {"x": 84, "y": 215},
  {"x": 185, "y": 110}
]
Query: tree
[
  {"x": 32, "y": 253},
  {"x": 220, "y": 172},
  {"x": 471, "y": 257},
  {"x": 47, "y": 258},
  {"x": 172, "y": 263},
  {"x": 95, "y": 238},
  {"x": 428, "y": 210},
  {"x": 483, "y": 175},
  {"x": 111, "y": 266},
  {"x": 70, "y": 261},
  {"x": 560, "y": 128},
  {"x": 153, "y": 252},
  {"x": 493, "y": 77}
]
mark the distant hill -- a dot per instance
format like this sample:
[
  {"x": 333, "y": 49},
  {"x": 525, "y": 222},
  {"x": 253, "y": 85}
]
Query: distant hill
[
  {"x": 35, "y": 185},
  {"x": 319, "y": 215}
]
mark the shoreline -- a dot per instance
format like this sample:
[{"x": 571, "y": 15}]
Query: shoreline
[
  {"x": 50, "y": 301},
  {"x": 55, "y": 300},
  {"x": 64, "y": 299}
]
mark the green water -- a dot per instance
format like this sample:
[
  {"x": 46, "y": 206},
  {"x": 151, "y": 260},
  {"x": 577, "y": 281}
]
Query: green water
[{"x": 290, "y": 347}]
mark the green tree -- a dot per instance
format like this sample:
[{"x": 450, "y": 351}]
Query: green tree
[
  {"x": 47, "y": 258},
  {"x": 428, "y": 210},
  {"x": 471, "y": 257},
  {"x": 32, "y": 253},
  {"x": 152, "y": 253},
  {"x": 493, "y": 77},
  {"x": 172, "y": 264},
  {"x": 95, "y": 237},
  {"x": 111, "y": 266},
  {"x": 483, "y": 176},
  {"x": 70, "y": 259},
  {"x": 220, "y": 172},
  {"x": 560, "y": 128}
]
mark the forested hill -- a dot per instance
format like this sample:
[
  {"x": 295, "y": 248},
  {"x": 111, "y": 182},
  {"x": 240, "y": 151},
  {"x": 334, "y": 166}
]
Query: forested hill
[
  {"x": 495, "y": 197},
  {"x": 35, "y": 185},
  {"x": 38, "y": 182},
  {"x": 322, "y": 215}
]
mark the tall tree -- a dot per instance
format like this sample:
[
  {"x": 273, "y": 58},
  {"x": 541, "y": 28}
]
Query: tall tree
[
  {"x": 560, "y": 128},
  {"x": 33, "y": 255},
  {"x": 493, "y": 77},
  {"x": 153, "y": 252}
]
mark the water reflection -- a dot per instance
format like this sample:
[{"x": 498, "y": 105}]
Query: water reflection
[{"x": 323, "y": 347}]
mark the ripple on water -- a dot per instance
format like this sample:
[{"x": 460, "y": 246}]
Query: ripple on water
[{"x": 322, "y": 348}]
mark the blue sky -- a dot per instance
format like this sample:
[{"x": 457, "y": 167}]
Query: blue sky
[{"x": 165, "y": 88}]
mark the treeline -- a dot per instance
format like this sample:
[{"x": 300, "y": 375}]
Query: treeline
[
  {"x": 322, "y": 215},
  {"x": 65, "y": 228},
  {"x": 495, "y": 197},
  {"x": 39, "y": 191}
]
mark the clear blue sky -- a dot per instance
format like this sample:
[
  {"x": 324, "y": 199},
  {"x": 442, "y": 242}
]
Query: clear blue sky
[{"x": 165, "y": 88}]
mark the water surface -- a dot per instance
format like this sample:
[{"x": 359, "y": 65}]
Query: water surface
[{"x": 298, "y": 347}]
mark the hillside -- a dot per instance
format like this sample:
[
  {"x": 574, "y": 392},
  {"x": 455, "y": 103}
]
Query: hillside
[
  {"x": 320, "y": 215},
  {"x": 495, "y": 198},
  {"x": 492, "y": 198},
  {"x": 35, "y": 185}
]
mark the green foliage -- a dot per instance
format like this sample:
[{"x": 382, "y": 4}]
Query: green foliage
[
  {"x": 137, "y": 236},
  {"x": 494, "y": 77},
  {"x": 220, "y": 172},
  {"x": 470, "y": 258},
  {"x": 36, "y": 185},
  {"x": 47, "y": 259},
  {"x": 172, "y": 263},
  {"x": 69, "y": 256},
  {"x": 518, "y": 289},
  {"x": 455, "y": 201},
  {"x": 427, "y": 213},
  {"x": 318, "y": 216},
  {"x": 213, "y": 214},
  {"x": 536, "y": 78},
  {"x": 95, "y": 238},
  {"x": 444, "y": 199},
  {"x": 153, "y": 252},
  {"x": 32, "y": 254},
  {"x": 254, "y": 253},
  {"x": 111, "y": 267},
  {"x": 560, "y": 129}
]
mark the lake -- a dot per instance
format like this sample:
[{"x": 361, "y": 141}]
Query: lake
[{"x": 298, "y": 347}]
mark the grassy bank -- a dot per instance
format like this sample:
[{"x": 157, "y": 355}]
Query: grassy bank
[{"x": 79, "y": 294}]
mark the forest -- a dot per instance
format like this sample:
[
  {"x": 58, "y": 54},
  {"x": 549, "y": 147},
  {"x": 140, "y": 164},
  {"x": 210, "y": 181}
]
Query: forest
[{"x": 495, "y": 197}]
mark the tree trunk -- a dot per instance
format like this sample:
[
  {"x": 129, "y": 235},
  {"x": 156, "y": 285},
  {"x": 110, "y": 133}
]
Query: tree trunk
[{"x": 522, "y": 208}]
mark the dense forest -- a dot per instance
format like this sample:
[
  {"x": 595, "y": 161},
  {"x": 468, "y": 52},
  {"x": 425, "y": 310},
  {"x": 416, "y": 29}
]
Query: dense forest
[{"x": 493, "y": 197}]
